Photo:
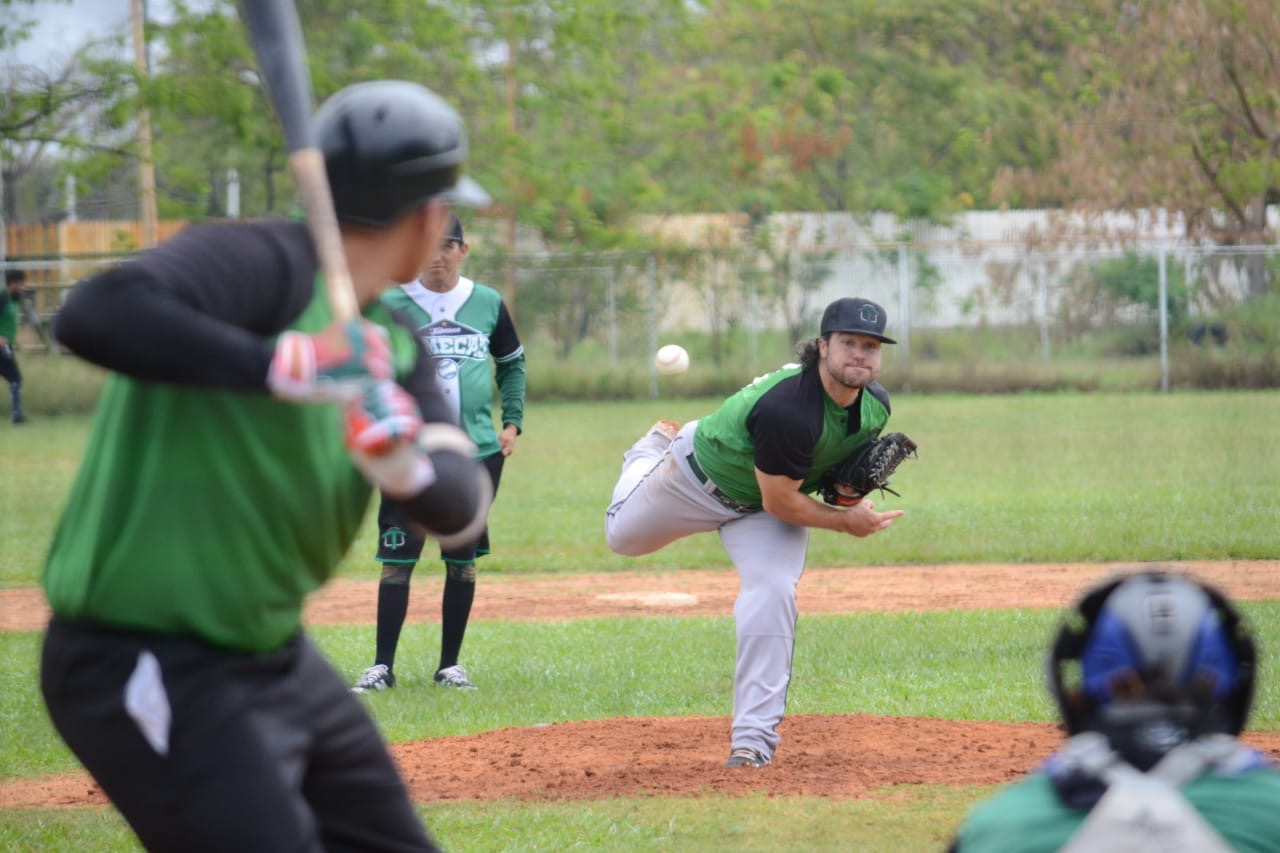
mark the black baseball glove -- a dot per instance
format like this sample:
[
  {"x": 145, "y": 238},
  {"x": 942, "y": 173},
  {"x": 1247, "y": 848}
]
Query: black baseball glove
[{"x": 866, "y": 469}]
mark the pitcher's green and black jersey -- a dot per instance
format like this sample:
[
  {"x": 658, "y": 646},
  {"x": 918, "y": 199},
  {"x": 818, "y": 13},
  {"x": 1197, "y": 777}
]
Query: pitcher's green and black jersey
[
  {"x": 784, "y": 423},
  {"x": 204, "y": 506},
  {"x": 463, "y": 328}
]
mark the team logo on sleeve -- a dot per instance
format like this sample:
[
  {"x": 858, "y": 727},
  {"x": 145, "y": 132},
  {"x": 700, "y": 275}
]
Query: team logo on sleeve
[{"x": 393, "y": 539}]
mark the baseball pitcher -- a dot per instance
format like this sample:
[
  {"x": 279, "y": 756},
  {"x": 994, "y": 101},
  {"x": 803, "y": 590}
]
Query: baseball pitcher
[{"x": 747, "y": 471}]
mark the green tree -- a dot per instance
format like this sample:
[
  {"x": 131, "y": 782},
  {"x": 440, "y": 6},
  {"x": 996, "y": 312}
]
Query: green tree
[
  {"x": 212, "y": 114},
  {"x": 1099, "y": 291},
  {"x": 911, "y": 107},
  {"x": 1178, "y": 108},
  {"x": 51, "y": 116}
]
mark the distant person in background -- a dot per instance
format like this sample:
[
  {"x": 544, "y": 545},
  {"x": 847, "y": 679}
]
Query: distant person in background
[
  {"x": 10, "y": 306},
  {"x": 1153, "y": 673},
  {"x": 464, "y": 324},
  {"x": 1203, "y": 332}
]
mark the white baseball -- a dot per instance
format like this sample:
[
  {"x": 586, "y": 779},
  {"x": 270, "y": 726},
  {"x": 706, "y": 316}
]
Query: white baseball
[{"x": 671, "y": 360}]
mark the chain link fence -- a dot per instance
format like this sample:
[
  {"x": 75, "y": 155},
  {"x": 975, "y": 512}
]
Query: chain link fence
[
  {"x": 743, "y": 297},
  {"x": 1133, "y": 302}
]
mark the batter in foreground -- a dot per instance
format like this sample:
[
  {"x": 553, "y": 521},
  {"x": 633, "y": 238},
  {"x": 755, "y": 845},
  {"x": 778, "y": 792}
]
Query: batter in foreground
[
  {"x": 747, "y": 470},
  {"x": 234, "y": 453}
]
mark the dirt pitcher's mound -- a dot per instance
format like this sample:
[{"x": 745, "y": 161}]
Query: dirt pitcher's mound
[
  {"x": 821, "y": 756},
  {"x": 841, "y": 756}
]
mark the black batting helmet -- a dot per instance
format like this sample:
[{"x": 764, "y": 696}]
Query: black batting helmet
[
  {"x": 1151, "y": 659},
  {"x": 390, "y": 146}
]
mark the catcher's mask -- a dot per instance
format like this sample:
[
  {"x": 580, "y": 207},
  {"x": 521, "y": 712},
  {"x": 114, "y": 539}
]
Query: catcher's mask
[{"x": 1151, "y": 660}]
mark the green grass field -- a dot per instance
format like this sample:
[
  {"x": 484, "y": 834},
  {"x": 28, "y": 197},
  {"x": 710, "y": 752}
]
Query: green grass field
[
  {"x": 1036, "y": 478},
  {"x": 1027, "y": 478}
]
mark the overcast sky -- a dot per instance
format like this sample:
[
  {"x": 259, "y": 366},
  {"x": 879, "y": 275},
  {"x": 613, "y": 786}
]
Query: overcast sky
[{"x": 63, "y": 27}]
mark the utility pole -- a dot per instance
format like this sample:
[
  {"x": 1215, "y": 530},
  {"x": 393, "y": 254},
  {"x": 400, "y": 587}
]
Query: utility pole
[
  {"x": 146, "y": 169},
  {"x": 511, "y": 282},
  {"x": 4, "y": 249}
]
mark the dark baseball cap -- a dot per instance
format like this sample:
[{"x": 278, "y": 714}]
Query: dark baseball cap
[
  {"x": 454, "y": 232},
  {"x": 857, "y": 316}
]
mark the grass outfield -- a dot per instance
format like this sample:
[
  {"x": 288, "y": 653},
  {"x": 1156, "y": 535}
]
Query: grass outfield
[
  {"x": 1028, "y": 478},
  {"x": 901, "y": 818}
]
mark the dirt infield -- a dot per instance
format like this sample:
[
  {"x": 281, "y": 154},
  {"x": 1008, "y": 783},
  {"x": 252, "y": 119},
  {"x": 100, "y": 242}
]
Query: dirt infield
[{"x": 841, "y": 756}]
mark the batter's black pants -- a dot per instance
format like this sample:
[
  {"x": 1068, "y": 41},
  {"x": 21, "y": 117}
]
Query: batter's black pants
[{"x": 257, "y": 752}]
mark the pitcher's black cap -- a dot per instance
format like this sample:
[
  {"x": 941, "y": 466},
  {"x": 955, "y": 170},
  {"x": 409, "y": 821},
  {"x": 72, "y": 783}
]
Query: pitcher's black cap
[{"x": 855, "y": 315}]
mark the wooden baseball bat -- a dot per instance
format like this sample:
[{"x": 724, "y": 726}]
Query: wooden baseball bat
[{"x": 276, "y": 35}]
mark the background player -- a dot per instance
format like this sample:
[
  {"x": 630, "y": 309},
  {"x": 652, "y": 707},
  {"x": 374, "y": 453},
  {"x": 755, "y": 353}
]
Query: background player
[
  {"x": 10, "y": 302},
  {"x": 1153, "y": 673},
  {"x": 216, "y": 493},
  {"x": 747, "y": 470},
  {"x": 463, "y": 324}
]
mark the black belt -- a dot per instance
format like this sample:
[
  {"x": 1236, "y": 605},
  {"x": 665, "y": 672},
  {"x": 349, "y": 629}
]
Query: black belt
[{"x": 736, "y": 506}]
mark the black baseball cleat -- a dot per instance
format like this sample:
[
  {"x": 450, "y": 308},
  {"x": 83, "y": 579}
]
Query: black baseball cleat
[{"x": 745, "y": 756}]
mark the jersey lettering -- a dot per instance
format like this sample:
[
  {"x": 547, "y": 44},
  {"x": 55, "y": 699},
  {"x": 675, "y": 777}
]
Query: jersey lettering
[{"x": 447, "y": 339}]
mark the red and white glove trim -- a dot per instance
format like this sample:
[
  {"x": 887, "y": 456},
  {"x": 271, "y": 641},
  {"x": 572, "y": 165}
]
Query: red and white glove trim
[
  {"x": 401, "y": 473},
  {"x": 293, "y": 367},
  {"x": 383, "y": 415},
  {"x": 334, "y": 365}
]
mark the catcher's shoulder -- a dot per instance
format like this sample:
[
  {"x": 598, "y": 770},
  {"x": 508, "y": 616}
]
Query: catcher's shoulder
[{"x": 880, "y": 393}]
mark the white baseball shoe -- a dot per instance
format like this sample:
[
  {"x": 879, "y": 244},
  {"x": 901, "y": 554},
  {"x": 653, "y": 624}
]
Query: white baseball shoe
[
  {"x": 454, "y": 676},
  {"x": 376, "y": 677}
]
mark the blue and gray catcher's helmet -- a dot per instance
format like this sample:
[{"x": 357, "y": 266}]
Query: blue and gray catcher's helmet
[{"x": 1151, "y": 660}]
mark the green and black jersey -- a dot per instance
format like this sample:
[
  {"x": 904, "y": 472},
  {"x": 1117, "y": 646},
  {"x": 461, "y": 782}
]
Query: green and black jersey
[
  {"x": 203, "y": 506},
  {"x": 784, "y": 423}
]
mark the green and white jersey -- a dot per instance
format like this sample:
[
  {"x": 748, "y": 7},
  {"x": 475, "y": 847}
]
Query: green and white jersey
[
  {"x": 463, "y": 328},
  {"x": 1030, "y": 816},
  {"x": 784, "y": 423}
]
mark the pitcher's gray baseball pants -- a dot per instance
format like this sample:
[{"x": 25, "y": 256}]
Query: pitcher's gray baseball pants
[{"x": 658, "y": 499}]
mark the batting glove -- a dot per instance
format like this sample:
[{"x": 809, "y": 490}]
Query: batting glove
[
  {"x": 381, "y": 427},
  {"x": 381, "y": 416},
  {"x": 334, "y": 365}
]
